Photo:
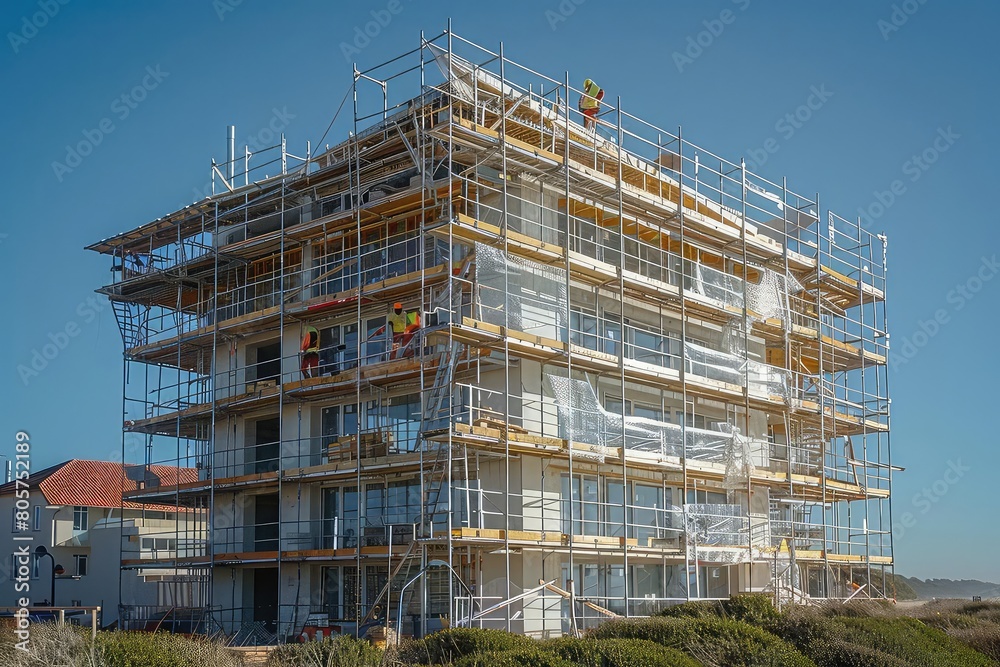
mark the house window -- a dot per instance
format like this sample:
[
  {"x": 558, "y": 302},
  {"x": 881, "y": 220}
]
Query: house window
[
  {"x": 79, "y": 518},
  {"x": 81, "y": 564},
  {"x": 14, "y": 565},
  {"x": 157, "y": 544},
  {"x": 36, "y": 523}
]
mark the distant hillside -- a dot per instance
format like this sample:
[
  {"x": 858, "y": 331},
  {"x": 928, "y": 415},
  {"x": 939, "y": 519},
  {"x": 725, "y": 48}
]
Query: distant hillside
[{"x": 950, "y": 588}]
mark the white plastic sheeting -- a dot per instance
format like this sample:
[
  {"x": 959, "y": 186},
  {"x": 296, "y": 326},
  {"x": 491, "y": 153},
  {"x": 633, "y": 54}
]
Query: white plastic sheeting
[
  {"x": 520, "y": 294},
  {"x": 767, "y": 299},
  {"x": 584, "y": 420},
  {"x": 716, "y": 524}
]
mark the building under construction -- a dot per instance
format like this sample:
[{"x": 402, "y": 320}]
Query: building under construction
[{"x": 624, "y": 372}]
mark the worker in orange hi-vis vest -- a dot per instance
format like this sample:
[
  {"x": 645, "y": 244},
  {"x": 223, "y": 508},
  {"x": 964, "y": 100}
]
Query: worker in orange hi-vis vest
[
  {"x": 310, "y": 352},
  {"x": 590, "y": 103}
]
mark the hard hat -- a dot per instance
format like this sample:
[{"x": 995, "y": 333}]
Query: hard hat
[
  {"x": 397, "y": 306},
  {"x": 587, "y": 82}
]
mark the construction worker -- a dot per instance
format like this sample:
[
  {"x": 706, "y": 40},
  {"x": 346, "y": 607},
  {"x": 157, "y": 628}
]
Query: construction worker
[
  {"x": 412, "y": 326},
  {"x": 590, "y": 103},
  {"x": 397, "y": 320},
  {"x": 310, "y": 352}
]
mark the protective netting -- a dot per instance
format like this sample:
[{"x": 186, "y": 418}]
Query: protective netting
[
  {"x": 766, "y": 299},
  {"x": 713, "y": 524},
  {"x": 583, "y": 420},
  {"x": 737, "y": 457},
  {"x": 519, "y": 293},
  {"x": 770, "y": 297},
  {"x": 735, "y": 369},
  {"x": 531, "y": 297}
]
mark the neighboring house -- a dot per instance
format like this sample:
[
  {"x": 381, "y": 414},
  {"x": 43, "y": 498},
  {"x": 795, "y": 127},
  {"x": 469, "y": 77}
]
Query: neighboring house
[{"x": 76, "y": 513}]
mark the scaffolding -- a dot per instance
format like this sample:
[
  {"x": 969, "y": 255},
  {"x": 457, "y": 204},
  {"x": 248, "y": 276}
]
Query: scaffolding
[{"x": 642, "y": 373}]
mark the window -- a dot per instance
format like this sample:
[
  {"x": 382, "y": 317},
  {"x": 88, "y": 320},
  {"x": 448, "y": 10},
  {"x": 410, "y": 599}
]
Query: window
[
  {"x": 402, "y": 502},
  {"x": 157, "y": 544},
  {"x": 581, "y": 508},
  {"x": 702, "y": 497},
  {"x": 648, "y": 412},
  {"x": 79, "y": 518},
  {"x": 696, "y": 421},
  {"x": 331, "y": 592},
  {"x": 339, "y": 421},
  {"x": 14, "y": 566},
  {"x": 338, "y": 348},
  {"x": 583, "y": 329},
  {"x": 81, "y": 564},
  {"x": 264, "y": 361},
  {"x": 647, "y": 515},
  {"x": 403, "y": 421},
  {"x": 36, "y": 523},
  {"x": 340, "y": 517}
]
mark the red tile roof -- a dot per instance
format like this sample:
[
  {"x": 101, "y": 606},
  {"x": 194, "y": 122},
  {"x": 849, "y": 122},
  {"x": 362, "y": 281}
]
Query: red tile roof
[{"x": 99, "y": 483}]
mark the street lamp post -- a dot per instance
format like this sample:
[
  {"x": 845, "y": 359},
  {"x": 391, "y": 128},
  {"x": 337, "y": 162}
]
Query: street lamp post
[{"x": 41, "y": 552}]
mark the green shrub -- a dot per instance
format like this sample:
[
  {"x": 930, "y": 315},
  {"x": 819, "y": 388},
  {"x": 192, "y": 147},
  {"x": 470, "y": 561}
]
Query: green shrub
[
  {"x": 522, "y": 657},
  {"x": 141, "y": 649},
  {"x": 842, "y": 653},
  {"x": 340, "y": 651},
  {"x": 802, "y": 627},
  {"x": 695, "y": 609},
  {"x": 617, "y": 653},
  {"x": 711, "y": 640},
  {"x": 449, "y": 645},
  {"x": 859, "y": 609},
  {"x": 754, "y": 608},
  {"x": 985, "y": 639},
  {"x": 911, "y": 641}
]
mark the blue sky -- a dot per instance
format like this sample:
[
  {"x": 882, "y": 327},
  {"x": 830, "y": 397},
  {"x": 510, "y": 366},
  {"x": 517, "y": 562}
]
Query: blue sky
[{"x": 893, "y": 77}]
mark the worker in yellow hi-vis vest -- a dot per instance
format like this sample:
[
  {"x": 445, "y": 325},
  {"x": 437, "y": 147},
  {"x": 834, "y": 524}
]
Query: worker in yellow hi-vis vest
[
  {"x": 397, "y": 320},
  {"x": 412, "y": 327},
  {"x": 590, "y": 103}
]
